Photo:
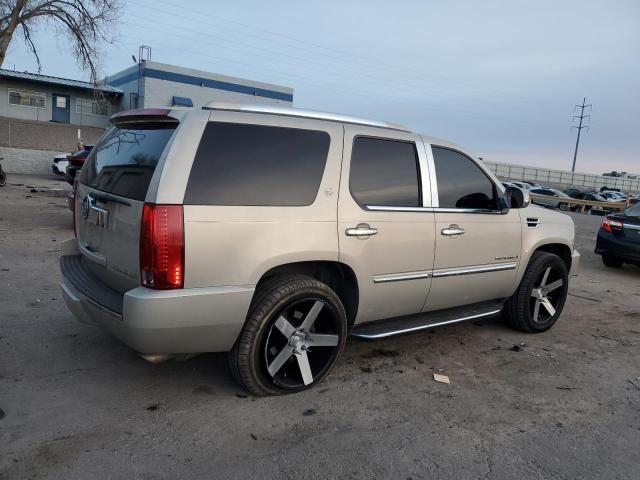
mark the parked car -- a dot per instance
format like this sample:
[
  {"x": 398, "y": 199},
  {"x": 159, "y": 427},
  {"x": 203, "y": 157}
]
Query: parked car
[
  {"x": 613, "y": 196},
  {"x": 59, "y": 164},
  {"x": 274, "y": 233},
  {"x": 619, "y": 238},
  {"x": 589, "y": 196},
  {"x": 575, "y": 192},
  {"x": 523, "y": 185},
  {"x": 531, "y": 185},
  {"x": 75, "y": 162},
  {"x": 550, "y": 202}
]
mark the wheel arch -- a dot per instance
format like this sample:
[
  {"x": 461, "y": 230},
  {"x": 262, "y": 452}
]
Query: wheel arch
[
  {"x": 560, "y": 249},
  {"x": 337, "y": 275}
]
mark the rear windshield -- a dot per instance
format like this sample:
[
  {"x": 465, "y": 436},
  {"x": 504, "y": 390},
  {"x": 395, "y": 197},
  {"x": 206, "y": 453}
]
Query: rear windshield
[
  {"x": 125, "y": 159},
  {"x": 633, "y": 211}
]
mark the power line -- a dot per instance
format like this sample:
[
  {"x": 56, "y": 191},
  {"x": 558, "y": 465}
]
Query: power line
[
  {"x": 348, "y": 57},
  {"x": 579, "y": 127},
  {"x": 316, "y": 82}
]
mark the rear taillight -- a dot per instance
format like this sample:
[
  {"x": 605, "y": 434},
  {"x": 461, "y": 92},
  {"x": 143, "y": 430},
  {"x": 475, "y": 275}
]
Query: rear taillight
[
  {"x": 73, "y": 206},
  {"x": 609, "y": 225},
  {"x": 162, "y": 247}
]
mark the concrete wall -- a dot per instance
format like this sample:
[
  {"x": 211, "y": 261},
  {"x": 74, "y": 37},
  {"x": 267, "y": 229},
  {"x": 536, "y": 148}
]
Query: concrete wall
[
  {"x": 26, "y": 161},
  {"x": 29, "y": 146},
  {"x": 45, "y": 114},
  {"x": 47, "y": 136}
]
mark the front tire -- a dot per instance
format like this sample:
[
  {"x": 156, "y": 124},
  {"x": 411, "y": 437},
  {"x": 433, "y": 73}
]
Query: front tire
[
  {"x": 539, "y": 300},
  {"x": 295, "y": 331}
]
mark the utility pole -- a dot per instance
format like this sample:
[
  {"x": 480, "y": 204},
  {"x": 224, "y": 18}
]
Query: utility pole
[{"x": 579, "y": 128}]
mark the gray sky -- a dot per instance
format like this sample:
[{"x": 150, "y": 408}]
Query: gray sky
[{"x": 499, "y": 77}]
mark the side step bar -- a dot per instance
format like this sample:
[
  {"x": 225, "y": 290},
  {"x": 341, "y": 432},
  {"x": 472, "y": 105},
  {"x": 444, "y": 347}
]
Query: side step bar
[{"x": 422, "y": 321}]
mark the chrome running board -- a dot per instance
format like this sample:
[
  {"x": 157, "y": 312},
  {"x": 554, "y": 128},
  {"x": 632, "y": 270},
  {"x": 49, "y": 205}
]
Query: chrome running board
[{"x": 413, "y": 323}]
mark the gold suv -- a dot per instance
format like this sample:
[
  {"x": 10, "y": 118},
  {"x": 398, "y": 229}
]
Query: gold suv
[{"x": 273, "y": 233}]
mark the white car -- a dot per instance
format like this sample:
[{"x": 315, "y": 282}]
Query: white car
[{"x": 59, "y": 164}]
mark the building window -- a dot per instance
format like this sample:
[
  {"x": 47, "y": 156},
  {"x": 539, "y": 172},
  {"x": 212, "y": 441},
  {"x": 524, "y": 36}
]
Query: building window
[
  {"x": 27, "y": 99},
  {"x": 91, "y": 107}
]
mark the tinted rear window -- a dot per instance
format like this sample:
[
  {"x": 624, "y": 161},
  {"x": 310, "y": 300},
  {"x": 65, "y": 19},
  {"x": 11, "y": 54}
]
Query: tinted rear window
[
  {"x": 384, "y": 173},
  {"x": 125, "y": 159},
  {"x": 240, "y": 164}
]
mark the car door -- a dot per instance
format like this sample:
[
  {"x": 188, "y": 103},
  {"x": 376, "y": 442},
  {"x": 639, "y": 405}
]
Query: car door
[
  {"x": 478, "y": 242},
  {"x": 385, "y": 223}
]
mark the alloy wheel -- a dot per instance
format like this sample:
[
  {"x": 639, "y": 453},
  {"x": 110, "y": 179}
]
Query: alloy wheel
[
  {"x": 301, "y": 343},
  {"x": 546, "y": 296}
]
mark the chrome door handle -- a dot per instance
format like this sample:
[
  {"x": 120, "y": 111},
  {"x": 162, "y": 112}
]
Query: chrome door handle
[
  {"x": 362, "y": 230},
  {"x": 452, "y": 230}
]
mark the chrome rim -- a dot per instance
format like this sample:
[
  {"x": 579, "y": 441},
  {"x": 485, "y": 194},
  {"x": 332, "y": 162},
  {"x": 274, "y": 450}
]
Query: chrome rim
[
  {"x": 546, "y": 297},
  {"x": 301, "y": 343}
]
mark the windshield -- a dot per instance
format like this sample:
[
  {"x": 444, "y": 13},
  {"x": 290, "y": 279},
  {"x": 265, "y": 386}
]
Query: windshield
[{"x": 125, "y": 159}]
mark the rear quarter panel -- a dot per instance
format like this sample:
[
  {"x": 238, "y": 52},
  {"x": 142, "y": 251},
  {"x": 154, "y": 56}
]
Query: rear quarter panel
[{"x": 236, "y": 245}]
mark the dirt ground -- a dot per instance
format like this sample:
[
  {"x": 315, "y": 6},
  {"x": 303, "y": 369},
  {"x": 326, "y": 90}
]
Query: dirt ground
[{"x": 76, "y": 404}]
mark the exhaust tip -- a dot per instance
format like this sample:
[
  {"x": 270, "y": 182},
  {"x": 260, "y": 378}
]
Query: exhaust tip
[{"x": 156, "y": 357}]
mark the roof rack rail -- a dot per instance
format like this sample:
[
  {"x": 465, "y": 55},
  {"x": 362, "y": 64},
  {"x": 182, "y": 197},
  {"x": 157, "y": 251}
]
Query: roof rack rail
[{"x": 297, "y": 112}]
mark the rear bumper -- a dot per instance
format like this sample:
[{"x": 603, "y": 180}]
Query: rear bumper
[
  {"x": 191, "y": 320},
  {"x": 608, "y": 244}
]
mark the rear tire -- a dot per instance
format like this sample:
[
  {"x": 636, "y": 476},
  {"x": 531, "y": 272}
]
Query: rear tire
[
  {"x": 295, "y": 331},
  {"x": 539, "y": 300},
  {"x": 612, "y": 262}
]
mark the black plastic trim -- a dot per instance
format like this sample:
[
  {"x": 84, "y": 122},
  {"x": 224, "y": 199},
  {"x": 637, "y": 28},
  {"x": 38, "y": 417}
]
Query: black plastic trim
[{"x": 76, "y": 273}]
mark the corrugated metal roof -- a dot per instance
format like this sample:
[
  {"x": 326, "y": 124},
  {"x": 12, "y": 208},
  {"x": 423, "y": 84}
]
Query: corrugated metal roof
[{"x": 66, "y": 82}]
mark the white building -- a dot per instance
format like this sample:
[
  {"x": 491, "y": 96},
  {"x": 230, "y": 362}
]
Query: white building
[
  {"x": 152, "y": 84},
  {"x": 41, "y": 115}
]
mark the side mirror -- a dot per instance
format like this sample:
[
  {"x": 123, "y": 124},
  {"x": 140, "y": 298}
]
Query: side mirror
[{"x": 517, "y": 197}]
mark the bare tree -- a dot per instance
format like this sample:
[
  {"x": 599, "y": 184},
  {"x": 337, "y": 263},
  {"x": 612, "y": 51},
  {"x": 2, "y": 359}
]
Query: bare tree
[{"x": 84, "y": 22}]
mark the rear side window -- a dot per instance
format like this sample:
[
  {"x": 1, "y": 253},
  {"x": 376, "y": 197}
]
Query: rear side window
[
  {"x": 125, "y": 159},
  {"x": 384, "y": 173},
  {"x": 258, "y": 165},
  {"x": 461, "y": 183}
]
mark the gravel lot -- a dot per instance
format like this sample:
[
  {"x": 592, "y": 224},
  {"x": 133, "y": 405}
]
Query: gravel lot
[{"x": 78, "y": 405}]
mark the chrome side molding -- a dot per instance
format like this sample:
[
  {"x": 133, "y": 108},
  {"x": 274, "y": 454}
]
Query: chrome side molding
[
  {"x": 402, "y": 277},
  {"x": 451, "y": 272},
  {"x": 443, "y": 272}
]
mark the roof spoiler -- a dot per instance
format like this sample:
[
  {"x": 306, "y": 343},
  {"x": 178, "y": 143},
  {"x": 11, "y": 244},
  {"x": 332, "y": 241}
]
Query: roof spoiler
[{"x": 143, "y": 115}]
